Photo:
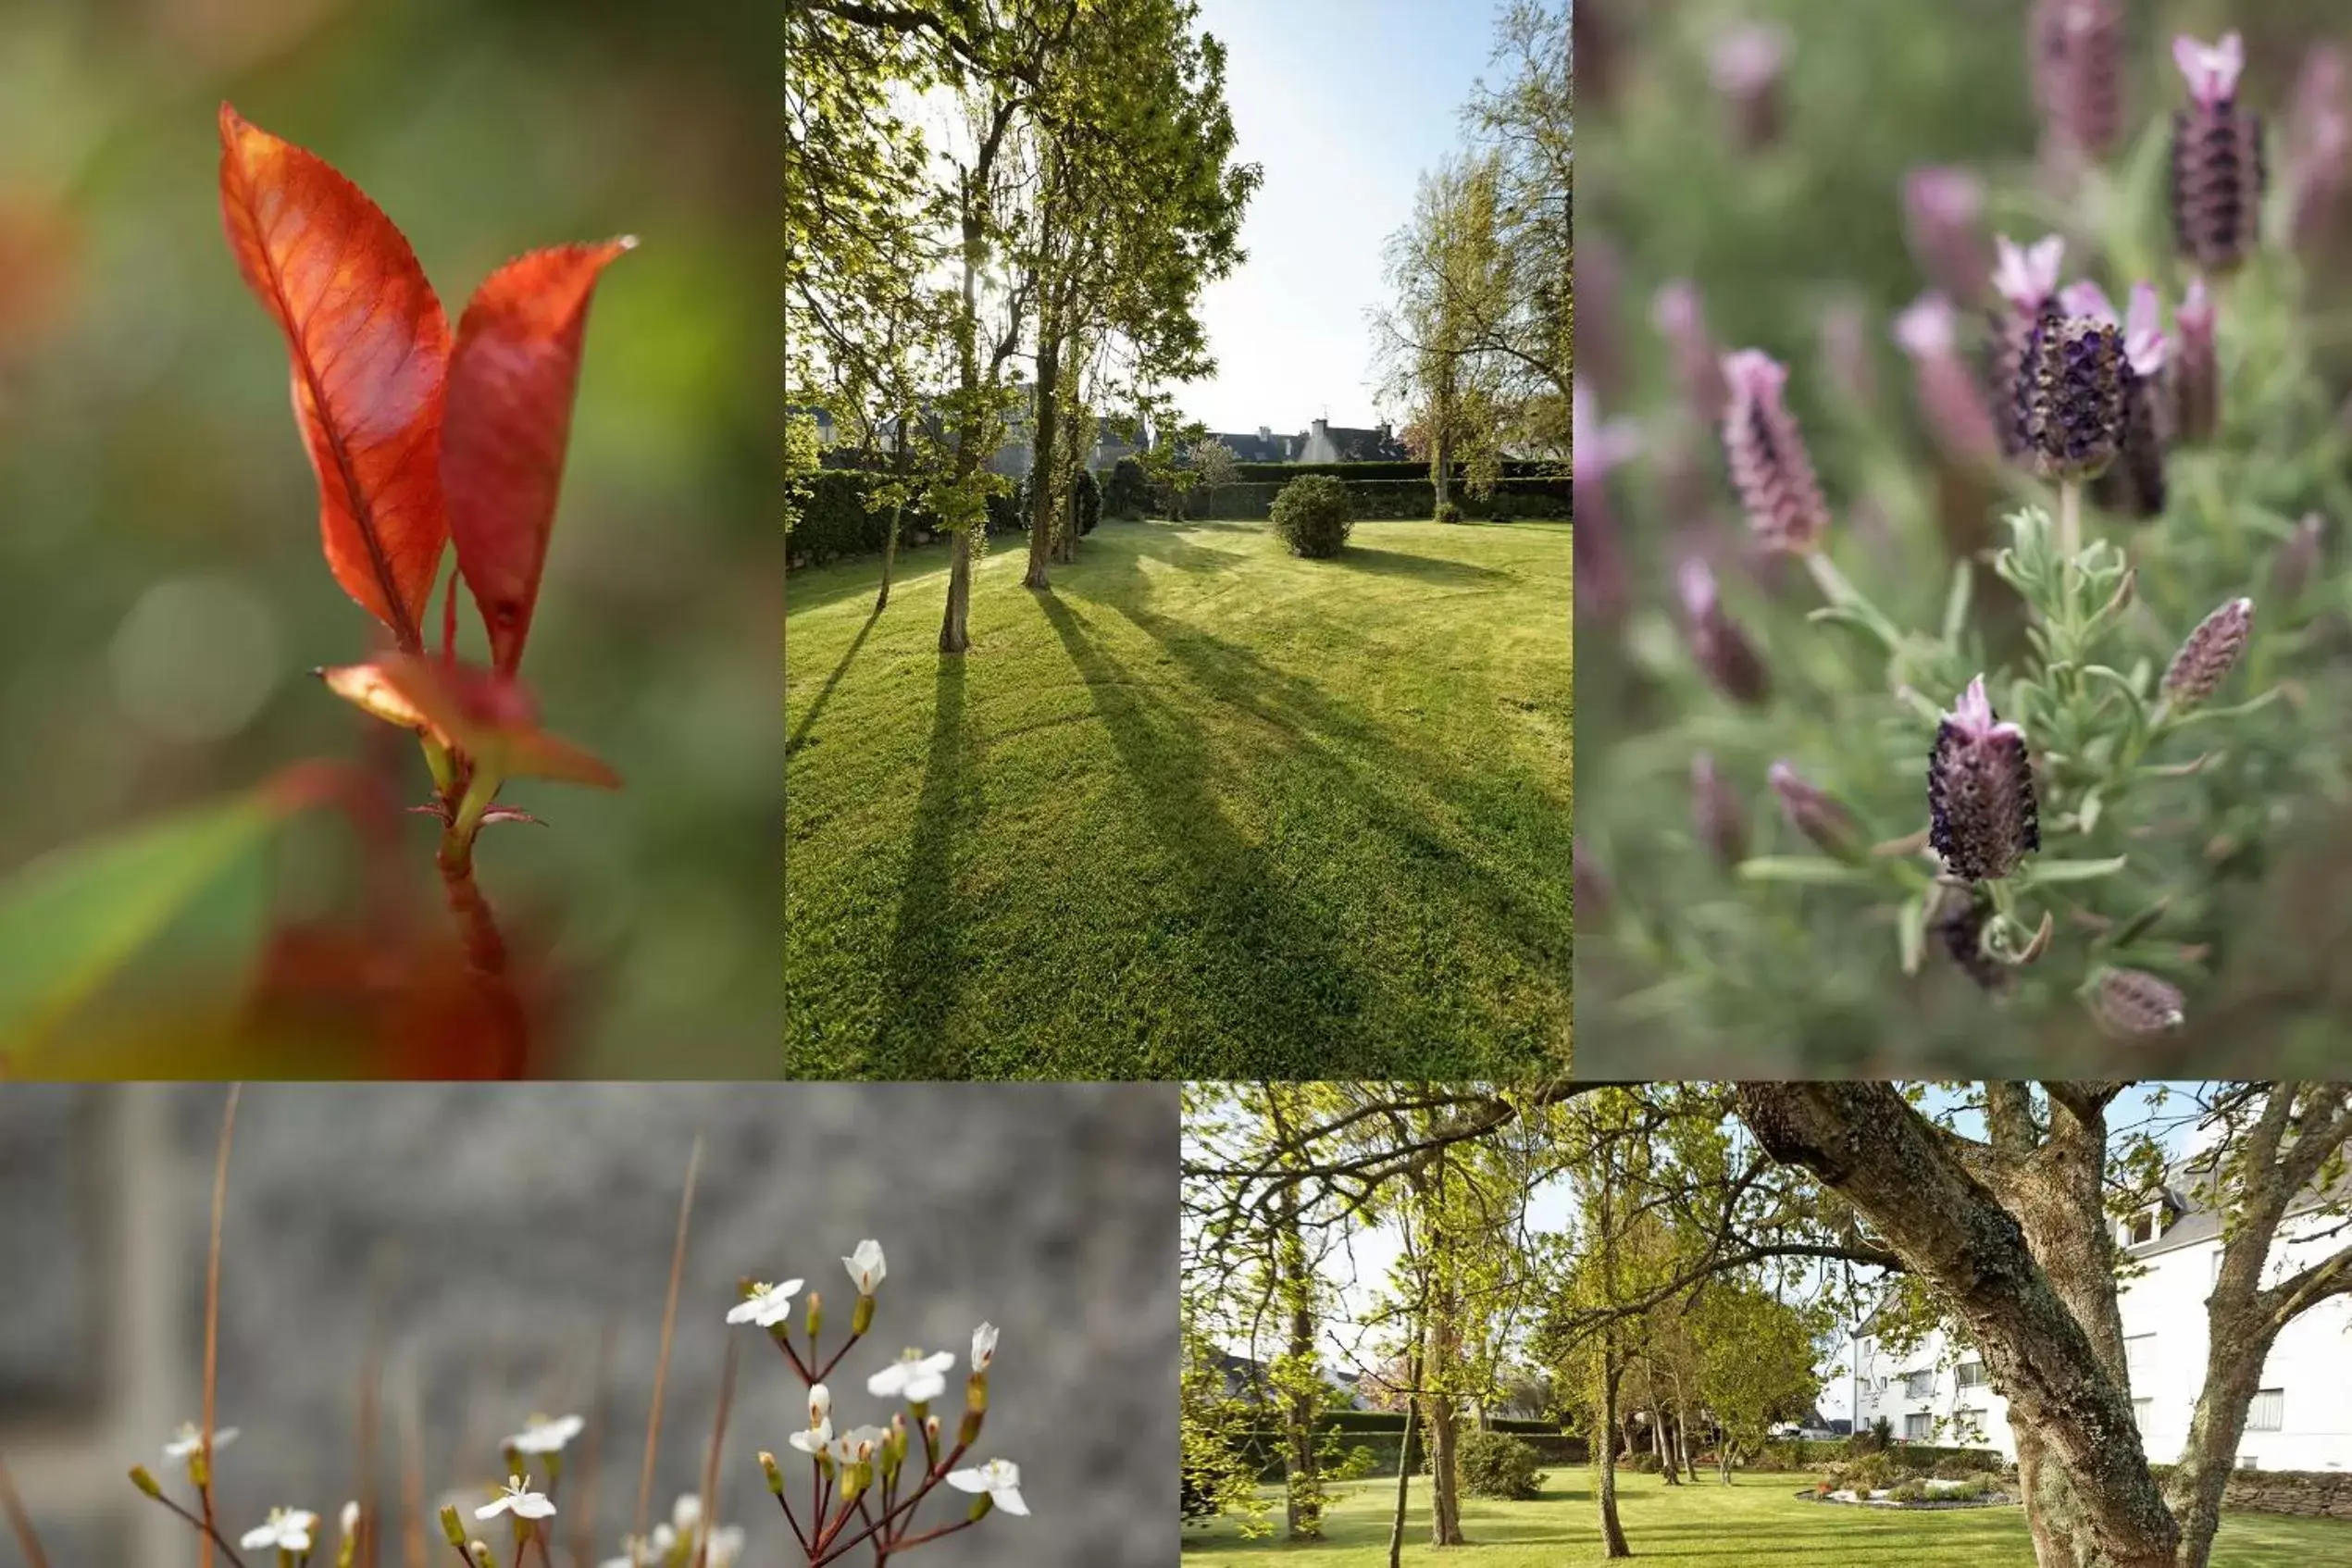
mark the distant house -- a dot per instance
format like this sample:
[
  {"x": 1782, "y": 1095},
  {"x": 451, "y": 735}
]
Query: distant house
[
  {"x": 1244, "y": 1378},
  {"x": 1015, "y": 454},
  {"x": 1322, "y": 441}
]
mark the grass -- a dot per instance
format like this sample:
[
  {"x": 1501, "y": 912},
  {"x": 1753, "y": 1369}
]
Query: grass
[
  {"x": 1759, "y": 1519},
  {"x": 1204, "y": 810}
]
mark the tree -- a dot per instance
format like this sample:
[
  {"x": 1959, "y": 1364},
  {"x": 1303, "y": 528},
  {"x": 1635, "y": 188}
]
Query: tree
[
  {"x": 1213, "y": 461},
  {"x": 1759, "y": 1358},
  {"x": 1528, "y": 123},
  {"x": 1450, "y": 276},
  {"x": 2012, "y": 1233}
]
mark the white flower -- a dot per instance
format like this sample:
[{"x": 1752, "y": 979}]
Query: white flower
[
  {"x": 288, "y": 1529},
  {"x": 684, "y": 1515},
  {"x": 636, "y": 1551},
  {"x": 983, "y": 1347},
  {"x": 727, "y": 1545},
  {"x": 543, "y": 1436},
  {"x": 813, "y": 1441},
  {"x": 858, "y": 1443},
  {"x": 916, "y": 1377},
  {"x": 519, "y": 1501},
  {"x": 767, "y": 1305},
  {"x": 350, "y": 1520},
  {"x": 192, "y": 1438},
  {"x": 1000, "y": 1479},
  {"x": 820, "y": 1405},
  {"x": 865, "y": 1266}
]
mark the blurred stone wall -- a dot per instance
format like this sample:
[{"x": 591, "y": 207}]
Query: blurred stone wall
[{"x": 483, "y": 1241}]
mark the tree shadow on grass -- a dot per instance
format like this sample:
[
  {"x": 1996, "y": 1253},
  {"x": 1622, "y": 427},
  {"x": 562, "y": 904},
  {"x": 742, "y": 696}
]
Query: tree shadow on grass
[
  {"x": 1428, "y": 568},
  {"x": 1291, "y": 994},
  {"x": 925, "y": 958},
  {"x": 817, "y": 706},
  {"x": 812, "y": 587}
]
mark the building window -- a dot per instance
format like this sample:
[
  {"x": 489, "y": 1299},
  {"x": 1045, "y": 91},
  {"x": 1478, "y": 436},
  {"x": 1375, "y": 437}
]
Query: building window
[
  {"x": 2141, "y": 1411},
  {"x": 1972, "y": 1375},
  {"x": 2268, "y": 1412},
  {"x": 1918, "y": 1385},
  {"x": 2139, "y": 1355},
  {"x": 1918, "y": 1426},
  {"x": 2141, "y": 1229}
]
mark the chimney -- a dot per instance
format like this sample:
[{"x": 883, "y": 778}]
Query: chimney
[
  {"x": 1320, "y": 426},
  {"x": 1265, "y": 432}
]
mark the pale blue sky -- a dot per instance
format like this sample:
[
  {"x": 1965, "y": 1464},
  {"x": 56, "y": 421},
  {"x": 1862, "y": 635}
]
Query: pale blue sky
[{"x": 1344, "y": 102}]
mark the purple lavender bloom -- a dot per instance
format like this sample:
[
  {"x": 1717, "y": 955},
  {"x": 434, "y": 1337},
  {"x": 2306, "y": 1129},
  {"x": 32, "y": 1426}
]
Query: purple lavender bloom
[
  {"x": 2196, "y": 377},
  {"x": 2210, "y": 653},
  {"x": 1770, "y": 466},
  {"x": 1681, "y": 315},
  {"x": 2027, "y": 279},
  {"x": 1717, "y": 644},
  {"x": 2319, "y": 143},
  {"x": 1720, "y": 819},
  {"x": 2068, "y": 409},
  {"x": 2133, "y": 486},
  {"x": 2218, "y": 171},
  {"x": 1942, "y": 209},
  {"x": 1980, "y": 792},
  {"x": 2132, "y": 1002},
  {"x": 1950, "y": 399},
  {"x": 1746, "y": 68},
  {"x": 1816, "y": 814},
  {"x": 2078, "y": 70},
  {"x": 1958, "y": 920}
]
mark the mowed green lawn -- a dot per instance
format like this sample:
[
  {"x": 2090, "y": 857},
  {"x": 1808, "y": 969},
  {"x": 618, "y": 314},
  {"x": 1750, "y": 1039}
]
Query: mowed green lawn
[
  {"x": 1757, "y": 1519},
  {"x": 1204, "y": 810}
]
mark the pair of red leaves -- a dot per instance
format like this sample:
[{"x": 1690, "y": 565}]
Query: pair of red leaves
[{"x": 418, "y": 439}]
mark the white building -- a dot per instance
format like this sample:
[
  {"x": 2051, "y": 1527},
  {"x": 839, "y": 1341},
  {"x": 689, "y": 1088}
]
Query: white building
[{"x": 2301, "y": 1419}]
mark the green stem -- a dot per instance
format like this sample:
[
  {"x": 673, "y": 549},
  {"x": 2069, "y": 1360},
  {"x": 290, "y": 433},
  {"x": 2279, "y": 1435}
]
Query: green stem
[{"x": 2070, "y": 520}]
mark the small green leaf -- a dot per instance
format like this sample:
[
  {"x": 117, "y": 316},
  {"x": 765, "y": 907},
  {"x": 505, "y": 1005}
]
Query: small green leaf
[
  {"x": 1910, "y": 931},
  {"x": 2041, "y": 873},
  {"x": 1807, "y": 869},
  {"x": 70, "y": 920}
]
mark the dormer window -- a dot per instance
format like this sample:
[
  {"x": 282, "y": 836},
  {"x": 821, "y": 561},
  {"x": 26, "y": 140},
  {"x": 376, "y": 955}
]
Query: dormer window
[{"x": 2144, "y": 1227}]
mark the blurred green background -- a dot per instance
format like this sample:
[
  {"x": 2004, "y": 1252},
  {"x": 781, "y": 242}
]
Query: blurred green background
[
  {"x": 1776, "y": 241},
  {"x": 162, "y": 594}
]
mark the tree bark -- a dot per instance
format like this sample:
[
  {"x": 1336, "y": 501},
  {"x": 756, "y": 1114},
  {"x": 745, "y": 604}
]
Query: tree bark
[
  {"x": 897, "y": 513},
  {"x": 2094, "y": 1495},
  {"x": 1445, "y": 1479},
  {"x": 1302, "y": 1489},
  {"x": 1605, "y": 1448},
  {"x": 1661, "y": 1445},
  {"x": 1041, "y": 475},
  {"x": 1404, "y": 1455}
]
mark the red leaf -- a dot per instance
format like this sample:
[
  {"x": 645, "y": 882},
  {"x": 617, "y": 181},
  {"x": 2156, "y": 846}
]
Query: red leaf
[
  {"x": 370, "y": 350},
  {"x": 511, "y": 381},
  {"x": 485, "y": 713}
]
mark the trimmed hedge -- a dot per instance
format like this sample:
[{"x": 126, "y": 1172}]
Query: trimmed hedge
[
  {"x": 1410, "y": 498},
  {"x": 1383, "y": 1433},
  {"x": 1275, "y": 473}
]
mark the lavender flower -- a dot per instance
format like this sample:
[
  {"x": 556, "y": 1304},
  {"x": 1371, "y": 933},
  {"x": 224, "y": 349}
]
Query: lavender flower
[
  {"x": 2068, "y": 407},
  {"x": 1746, "y": 68},
  {"x": 1682, "y": 317},
  {"x": 2196, "y": 374},
  {"x": 1950, "y": 399},
  {"x": 2134, "y": 485},
  {"x": 1715, "y": 810},
  {"x": 1766, "y": 452},
  {"x": 1980, "y": 792},
  {"x": 2210, "y": 653},
  {"x": 1597, "y": 449},
  {"x": 1941, "y": 208},
  {"x": 1816, "y": 814},
  {"x": 2132, "y": 1002},
  {"x": 2027, "y": 280},
  {"x": 1717, "y": 644},
  {"x": 2319, "y": 143},
  {"x": 2217, "y": 170},
  {"x": 2078, "y": 67}
]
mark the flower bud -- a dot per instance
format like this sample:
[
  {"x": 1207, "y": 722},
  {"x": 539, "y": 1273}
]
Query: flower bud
[
  {"x": 452, "y": 1527},
  {"x": 1770, "y": 466},
  {"x": 144, "y": 1479},
  {"x": 2318, "y": 144},
  {"x": 1950, "y": 402},
  {"x": 2131, "y": 1002},
  {"x": 1942, "y": 211},
  {"x": 975, "y": 1391},
  {"x": 1980, "y": 792},
  {"x": 969, "y": 1430},
  {"x": 2134, "y": 485},
  {"x": 815, "y": 1319},
  {"x": 2069, "y": 407},
  {"x": 1716, "y": 811},
  {"x": 2078, "y": 68},
  {"x": 1817, "y": 814},
  {"x": 862, "y": 1316},
  {"x": 1717, "y": 644},
  {"x": 2196, "y": 375},
  {"x": 2218, "y": 172},
  {"x": 2026, "y": 280},
  {"x": 980, "y": 1507},
  {"x": 2210, "y": 653},
  {"x": 775, "y": 1475}
]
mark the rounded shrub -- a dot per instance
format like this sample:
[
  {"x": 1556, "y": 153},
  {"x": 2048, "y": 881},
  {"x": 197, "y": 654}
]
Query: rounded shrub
[
  {"x": 1312, "y": 516},
  {"x": 1086, "y": 502},
  {"x": 1130, "y": 491},
  {"x": 1447, "y": 511},
  {"x": 1496, "y": 1464}
]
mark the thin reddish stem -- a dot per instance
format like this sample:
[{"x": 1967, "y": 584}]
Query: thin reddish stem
[
  {"x": 212, "y": 1308},
  {"x": 485, "y": 949},
  {"x": 669, "y": 1323},
  {"x": 21, "y": 1521}
]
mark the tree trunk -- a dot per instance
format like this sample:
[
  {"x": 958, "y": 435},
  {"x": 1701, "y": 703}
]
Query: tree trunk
[
  {"x": 2093, "y": 1496},
  {"x": 1404, "y": 1455},
  {"x": 1441, "y": 464},
  {"x": 1605, "y": 1448},
  {"x": 1445, "y": 1480},
  {"x": 1041, "y": 475},
  {"x": 1662, "y": 1447},
  {"x": 1303, "y": 1489},
  {"x": 2232, "y": 1374},
  {"x": 954, "y": 635},
  {"x": 898, "y": 514}
]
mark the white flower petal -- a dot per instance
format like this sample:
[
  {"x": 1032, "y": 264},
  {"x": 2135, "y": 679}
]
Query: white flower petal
[
  {"x": 968, "y": 1480},
  {"x": 1009, "y": 1499}
]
